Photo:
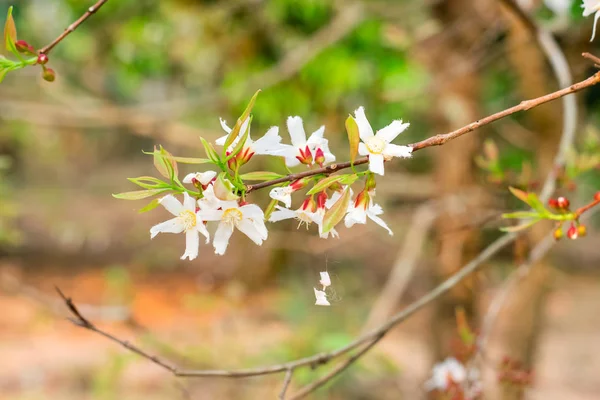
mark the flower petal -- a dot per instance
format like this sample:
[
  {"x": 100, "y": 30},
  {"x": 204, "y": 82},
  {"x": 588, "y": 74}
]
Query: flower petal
[
  {"x": 268, "y": 143},
  {"x": 376, "y": 163},
  {"x": 225, "y": 127},
  {"x": 248, "y": 228},
  {"x": 595, "y": 23},
  {"x": 221, "y": 239},
  {"x": 296, "y": 129},
  {"x": 362, "y": 149},
  {"x": 391, "y": 131},
  {"x": 325, "y": 279},
  {"x": 252, "y": 211},
  {"x": 379, "y": 222},
  {"x": 316, "y": 138},
  {"x": 188, "y": 178},
  {"x": 281, "y": 214},
  {"x": 171, "y": 204},
  {"x": 189, "y": 203},
  {"x": 321, "y": 298},
  {"x": 209, "y": 215},
  {"x": 192, "y": 244},
  {"x": 201, "y": 228},
  {"x": 364, "y": 127},
  {"x": 357, "y": 215},
  {"x": 283, "y": 194},
  {"x": 394, "y": 150},
  {"x": 173, "y": 225}
]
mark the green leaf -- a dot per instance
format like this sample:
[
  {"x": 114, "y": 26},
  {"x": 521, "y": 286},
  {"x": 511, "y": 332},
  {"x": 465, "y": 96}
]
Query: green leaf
[
  {"x": 519, "y": 194},
  {"x": 10, "y": 32},
  {"x": 270, "y": 209},
  {"x": 536, "y": 204},
  {"x": 150, "y": 206},
  {"x": 353, "y": 137},
  {"x": 162, "y": 163},
  {"x": 240, "y": 144},
  {"x": 336, "y": 212},
  {"x": 3, "y": 74},
  {"x": 518, "y": 228},
  {"x": 330, "y": 180},
  {"x": 191, "y": 160},
  {"x": 210, "y": 151},
  {"x": 224, "y": 188},
  {"x": 238, "y": 125},
  {"x": 149, "y": 182},
  {"x": 139, "y": 194},
  {"x": 260, "y": 176}
]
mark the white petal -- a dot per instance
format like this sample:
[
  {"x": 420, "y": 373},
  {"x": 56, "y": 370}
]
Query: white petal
[
  {"x": 250, "y": 229},
  {"x": 325, "y": 279},
  {"x": 192, "y": 244},
  {"x": 292, "y": 162},
  {"x": 173, "y": 225},
  {"x": 171, "y": 204},
  {"x": 209, "y": 215},
  {"x": 595, "y": 23},
  {"x": 281, "y": 214},
  {"x": 376, "y": 163},
  {"x": 225, "y": 127},
  {"x": 321, "y": 298},
  {"x": 252, "y": 211},
  {"x": 362, "y": 149},
  {"x": 364, "y": 127},
  {"x": 316, "y": 138},
  {"x": 296, "y": 129},
  {"x": 221, "y": 239},
  {"x": 221, "y": 141},
  {"x": 283, "y": 194},
  {"x": 268, "y": 143},
  {"x": 357, "y": 215},
  {"x": 391, "y": 131},
  {"x": 189, "y": 203},
  {"x": 188, "y": 178},
  {"x": 206, "y": 177},
  {"x": 379, "y": 222},
  {"x": 201, "y": 228},
  {"x": 209, "y": 201},
  {"x": 394, "y": 150}
]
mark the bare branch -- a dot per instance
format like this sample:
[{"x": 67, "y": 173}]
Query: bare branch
[
  {"x": 441, "y": 139},
  {"x": 92, "y": 10},
  {"x": 286, "y": 383}
]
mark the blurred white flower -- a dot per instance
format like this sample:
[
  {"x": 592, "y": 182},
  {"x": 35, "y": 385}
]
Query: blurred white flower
[
  {"x": 203, "y": 177},
  {"x": 186, "y": 220},
  {"x": 249, "y": 219},
  {"x": 559, "y": 7},
  {"x": 362, "y": 208},
  {"x": 325, "y": 279},
  {"x": 265, "y": 145},
  {"x": 378, "y": 146},
  {"x": 450, "y": 370},
  {"x": 284, "y": 194},
  {"x": 590, "y": 7},
  {"x": 321, "y": 297},
  {"x": 302, "y": 151}
]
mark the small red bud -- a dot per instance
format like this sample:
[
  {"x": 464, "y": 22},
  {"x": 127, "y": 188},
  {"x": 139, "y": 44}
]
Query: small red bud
[
  {"x": 49, "y": 75},
  {"x": 597, "y": 196},
  {"x": 553, "y": 203},
  {"x": 572, "y": 233},
  {"x": 558, "y": 234},
  {"x": 581, "y": 230},
  {"x": 319, "y": 157},
  {"x": 24, "y": 47},
  {"x": 195, "y": 181},
  {"x": 42, "y": 59},
  {"x": 562, "y": 203}
]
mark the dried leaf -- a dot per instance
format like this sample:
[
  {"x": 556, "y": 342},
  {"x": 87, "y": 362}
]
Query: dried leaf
[
  {"x": 10, "y": 32},
  {"x": 353, "y": 137},
  {"x": 519, "y": 194}
]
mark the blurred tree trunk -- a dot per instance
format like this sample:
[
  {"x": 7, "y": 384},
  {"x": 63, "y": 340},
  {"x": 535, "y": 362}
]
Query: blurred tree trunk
[
  {"x": 456, "y": 104},
  {"x": 524, "y": 309}
]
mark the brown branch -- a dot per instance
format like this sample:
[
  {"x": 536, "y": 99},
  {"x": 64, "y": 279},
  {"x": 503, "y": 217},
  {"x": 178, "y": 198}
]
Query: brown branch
[
  {"x": 92, "y": 10},
  {"x": 442, "y": 139},
  {"x": 593, "y": 58},
  {"x": 286, "y": 383}
]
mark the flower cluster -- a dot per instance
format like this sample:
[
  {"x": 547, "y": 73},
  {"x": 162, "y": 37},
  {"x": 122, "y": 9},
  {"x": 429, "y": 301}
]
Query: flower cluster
[{"x": 219, "y": 196}]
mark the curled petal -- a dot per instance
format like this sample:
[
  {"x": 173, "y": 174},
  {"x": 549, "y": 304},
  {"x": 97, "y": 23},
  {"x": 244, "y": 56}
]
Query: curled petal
[
  {"x": 252, "y": 230},
  {"x": 173, "y": 225},
  {"x": 379, "y": 222},
  {"x": 283, "y": 194},
  {"x": 281, "y": 214}
]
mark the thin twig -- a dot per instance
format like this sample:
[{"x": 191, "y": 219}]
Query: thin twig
[
  {"x": 441, "y": 139},
  {"x": 592, "y": 58},
  {"x": 286, "y": 383},
  {"x": 92, "y": 10}
]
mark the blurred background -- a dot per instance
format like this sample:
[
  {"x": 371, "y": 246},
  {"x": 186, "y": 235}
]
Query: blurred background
[{"x": 148, "y": 72}]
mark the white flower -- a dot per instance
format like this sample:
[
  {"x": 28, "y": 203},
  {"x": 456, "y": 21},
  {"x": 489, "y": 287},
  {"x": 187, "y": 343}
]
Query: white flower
[
  {"x": 304, "y": 215},
  {"x": 377, "y": 146},
  {"x": 315, "y": 149},
  {"x": 209, "y": 201},
  {"x": 448, "y": 370},
  {"x": 590, "y": 7},
  {"x": 321, "y": 297},
  {"x": 203, "y": 177},
  {"x": 358, "y": 213},
  {"x": 319, "y": 219},
  {"x": 249, "y": 219},
  {"x": 283, "y": 194},
  {"x": 265, "y": 145},
  {"x": 186, "y": 220},
  {"x": 325, "y": 279}
]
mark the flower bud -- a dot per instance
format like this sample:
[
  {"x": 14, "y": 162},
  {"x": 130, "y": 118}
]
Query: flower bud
[
  {"x": 558, "y": 234},
  {"x": 305, "y": 156},
  {"x": 299, "y": 184},
  {"x": 309, "y": 204},
  {"x": 49, "y": 75},
  {"x": 572, "y": 233},
  {"x": 321, "y": 199},
  {"x": 370, "y": 183},
  {"x": 562, "y": 203},
  {"x": 42, "y": 59},
  {"x": 581, "y": 230},
  {"x": 597, "y": 196},
  {"x": 24, "y": 47},
  {"x": 553, "y": 203},
  {"x": 319, "y": 157}
]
